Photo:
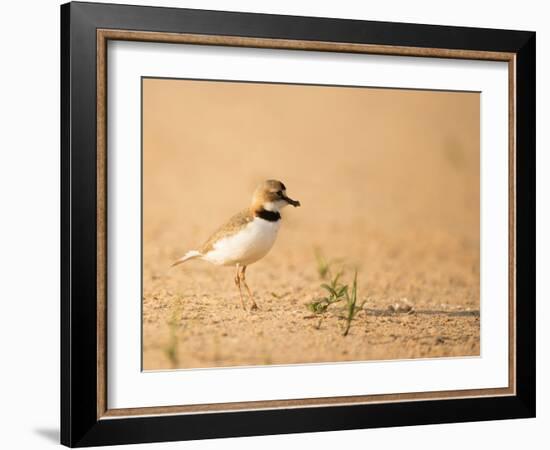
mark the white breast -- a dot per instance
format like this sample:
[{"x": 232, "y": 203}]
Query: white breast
[{"x": 248, "y": 245}]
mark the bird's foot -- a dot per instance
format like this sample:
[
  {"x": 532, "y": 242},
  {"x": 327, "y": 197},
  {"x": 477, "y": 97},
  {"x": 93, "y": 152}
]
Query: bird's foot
[{"x": 254, "y": 307}]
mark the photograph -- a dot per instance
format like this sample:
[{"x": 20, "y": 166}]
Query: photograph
[
  {"x": 291, "y": 222},
  {"x": 298, "y": 224}
]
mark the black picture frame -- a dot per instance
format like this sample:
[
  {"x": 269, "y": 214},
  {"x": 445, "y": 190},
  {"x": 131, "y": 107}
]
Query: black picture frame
[{"x": 80, "y": 425}]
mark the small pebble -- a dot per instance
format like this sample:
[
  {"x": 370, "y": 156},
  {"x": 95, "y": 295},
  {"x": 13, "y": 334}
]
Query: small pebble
[{"x": 404, "y": 306}]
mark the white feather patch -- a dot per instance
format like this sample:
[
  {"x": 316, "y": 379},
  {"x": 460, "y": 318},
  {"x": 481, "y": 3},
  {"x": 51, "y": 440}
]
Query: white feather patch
[
  {"x": 246, "y": 246},
  {"x": 277, "y": 205}
]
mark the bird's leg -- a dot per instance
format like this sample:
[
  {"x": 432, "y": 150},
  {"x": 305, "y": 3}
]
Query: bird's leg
[
  {"x": 238, "y": 283},
  {"x": 250, "y": 296}
]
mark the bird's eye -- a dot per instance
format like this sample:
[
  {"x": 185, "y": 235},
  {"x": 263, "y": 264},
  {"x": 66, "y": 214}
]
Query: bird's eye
[{"x": 280, "y": 193}]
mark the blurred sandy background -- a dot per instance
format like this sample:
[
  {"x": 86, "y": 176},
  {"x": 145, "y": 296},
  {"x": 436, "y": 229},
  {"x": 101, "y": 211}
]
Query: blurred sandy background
[{"x": 389, "y": 182}]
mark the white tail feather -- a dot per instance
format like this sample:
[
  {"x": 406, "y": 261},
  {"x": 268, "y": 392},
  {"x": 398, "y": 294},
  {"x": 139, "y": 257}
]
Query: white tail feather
[{"x": 189, "y": 255}]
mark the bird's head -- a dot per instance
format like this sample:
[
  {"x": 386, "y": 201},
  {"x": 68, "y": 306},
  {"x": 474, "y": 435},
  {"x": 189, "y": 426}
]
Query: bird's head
[{"x": 271, "y": 196}]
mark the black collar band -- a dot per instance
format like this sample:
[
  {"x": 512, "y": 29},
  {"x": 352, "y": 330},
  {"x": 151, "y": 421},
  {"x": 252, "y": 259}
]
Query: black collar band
[{"x": 271, "y": 216}]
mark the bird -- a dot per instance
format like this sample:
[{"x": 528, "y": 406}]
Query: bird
[{"x": 247, "y": 236}]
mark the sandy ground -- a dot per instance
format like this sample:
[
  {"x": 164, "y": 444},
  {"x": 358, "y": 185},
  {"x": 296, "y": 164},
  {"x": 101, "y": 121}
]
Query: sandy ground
[{"x": 389, "y": 184}]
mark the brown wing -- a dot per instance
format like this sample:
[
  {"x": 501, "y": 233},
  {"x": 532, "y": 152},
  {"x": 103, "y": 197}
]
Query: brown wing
[{"x": 234, "y": 224}]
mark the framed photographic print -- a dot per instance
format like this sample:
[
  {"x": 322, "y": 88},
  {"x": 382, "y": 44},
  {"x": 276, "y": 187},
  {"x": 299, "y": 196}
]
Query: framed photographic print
[{"x": 277, "y": 224}]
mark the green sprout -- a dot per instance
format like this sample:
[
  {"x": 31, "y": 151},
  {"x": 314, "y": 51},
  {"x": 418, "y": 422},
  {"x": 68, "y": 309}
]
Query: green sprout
[
  {"x": 336, "y": 293},
  {"x": 171, "y": 348},
  {"x": 323, "y": 266},
  {"x": 351, "y": 304}
]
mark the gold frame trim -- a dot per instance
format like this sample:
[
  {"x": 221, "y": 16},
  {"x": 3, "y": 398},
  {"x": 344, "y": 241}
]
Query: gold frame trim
[{"x": 104, "y": 35}]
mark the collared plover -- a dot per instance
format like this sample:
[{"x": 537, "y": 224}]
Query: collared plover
[{"x": 247, "y": 236}]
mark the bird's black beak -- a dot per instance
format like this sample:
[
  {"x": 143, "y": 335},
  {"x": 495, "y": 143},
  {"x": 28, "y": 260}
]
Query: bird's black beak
[{"x": 294, "y": 203}]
